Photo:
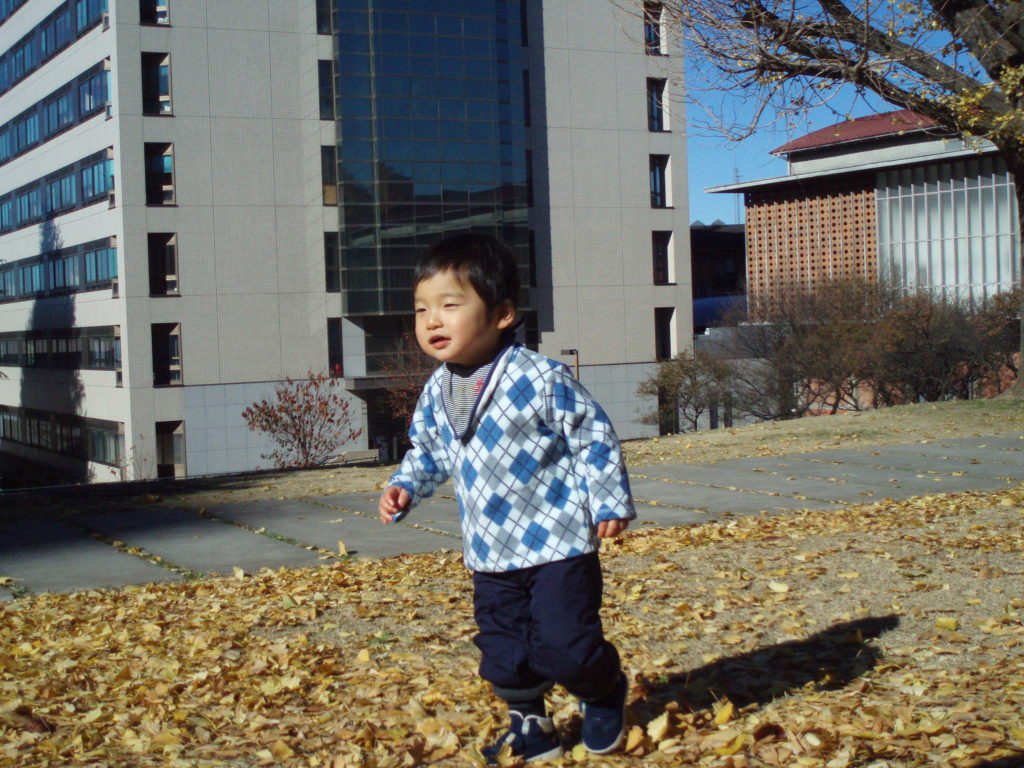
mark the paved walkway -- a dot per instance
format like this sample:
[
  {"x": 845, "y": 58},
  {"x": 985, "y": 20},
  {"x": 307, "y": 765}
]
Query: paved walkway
[{"x": 44, "y": 554}]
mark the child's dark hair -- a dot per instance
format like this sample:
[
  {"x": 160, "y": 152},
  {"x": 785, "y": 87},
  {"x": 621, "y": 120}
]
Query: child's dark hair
[{"x": 485, "y": 263}]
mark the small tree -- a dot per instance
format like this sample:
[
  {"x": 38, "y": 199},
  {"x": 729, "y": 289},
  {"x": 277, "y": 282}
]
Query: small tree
[
  {"x": 405, "y": 372},
  {"x": 308, "y": 419},
  {"x": 925, "y": 350},
  {"x": 805, "y": 349},
  {"x": 997, "y": 320},
  {"x": 687, "y": 387}
]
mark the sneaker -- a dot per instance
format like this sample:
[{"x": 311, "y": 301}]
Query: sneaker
[
  {"x": 604, "y": 720},
  {"x": 531, "y": 737}
]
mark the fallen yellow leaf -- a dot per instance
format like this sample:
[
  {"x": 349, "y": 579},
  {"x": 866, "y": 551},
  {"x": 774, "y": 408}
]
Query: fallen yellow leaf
[
  {"x": 724, "y": 715},
  {"x": 731, "y": 749},
  {"x": 659, "y": 727},
  {"x": 635, "y": 738},
  {"x": 282, "y": 751}
]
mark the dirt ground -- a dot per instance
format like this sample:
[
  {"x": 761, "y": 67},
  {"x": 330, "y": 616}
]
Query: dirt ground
[{"x": 889, "y": 634}]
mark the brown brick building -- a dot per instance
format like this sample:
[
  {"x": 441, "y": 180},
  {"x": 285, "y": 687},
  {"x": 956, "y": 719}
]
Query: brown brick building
[{"x": 890, "y": 197}]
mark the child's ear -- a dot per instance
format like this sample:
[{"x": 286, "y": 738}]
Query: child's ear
[{"x": 505, "y": 315}]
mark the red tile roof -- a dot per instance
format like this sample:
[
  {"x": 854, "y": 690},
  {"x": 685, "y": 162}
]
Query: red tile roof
[{"x": 860, "y": 128}]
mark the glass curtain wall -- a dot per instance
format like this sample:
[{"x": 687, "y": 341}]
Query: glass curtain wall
[
  {"x": 949, "y": 227},
  {"x": 431, "y": 142}
]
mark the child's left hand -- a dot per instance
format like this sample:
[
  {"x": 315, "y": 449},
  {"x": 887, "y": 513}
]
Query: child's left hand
[{"x": 609, "y": 529}]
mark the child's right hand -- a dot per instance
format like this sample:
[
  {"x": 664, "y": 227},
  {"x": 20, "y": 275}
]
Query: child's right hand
[{"x": 393, "y": 501}]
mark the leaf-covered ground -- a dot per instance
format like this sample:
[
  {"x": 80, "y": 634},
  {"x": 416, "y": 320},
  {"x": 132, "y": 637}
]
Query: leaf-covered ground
[{"x": 885, "y": 635}]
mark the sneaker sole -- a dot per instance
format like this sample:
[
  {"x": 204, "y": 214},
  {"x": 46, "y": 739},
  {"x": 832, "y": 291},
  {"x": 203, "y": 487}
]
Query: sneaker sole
[
  {"x": 618, "y": 739},
  {"x": 611, "y": 748},
  {"x": 551, "y": 754}
]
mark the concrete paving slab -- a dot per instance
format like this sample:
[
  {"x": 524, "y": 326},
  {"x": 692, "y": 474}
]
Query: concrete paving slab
[
  {"x": 47, "y": 555},
  {"x": 665, "y": 516},
  {"x": 920, "y": 463},
  {"x": 718, "y": 500},
  {"x": 782, "y": 484},
  {"x": 1009, "y": 441},
  {"x": 983, "y": 455},
  {"x": 323, "y": 526},
  {"x": 900, "y": 483},
  {"x": 438, "y": 513},
  {"x": 196, "y": 543}
]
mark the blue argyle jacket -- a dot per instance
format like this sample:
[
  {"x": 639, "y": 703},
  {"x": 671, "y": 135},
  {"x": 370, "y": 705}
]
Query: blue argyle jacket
[{"x": 538, "y": 467}]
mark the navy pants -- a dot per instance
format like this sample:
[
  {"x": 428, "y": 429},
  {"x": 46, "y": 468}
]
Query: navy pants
[{"x": 540, "y": 626}]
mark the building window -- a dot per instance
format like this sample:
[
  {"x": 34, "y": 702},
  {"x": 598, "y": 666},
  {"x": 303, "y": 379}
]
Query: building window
[
  {"x": 156, "y": 84},
  {"x": 100, "y": 265},
  {"x": 105, "y": 446},
  {"x": 166, "y": 354},
  {"x": 65, "y": 273},
  {"x": 159, "y": 174},
  {"x": 654, "y": 39},
  {"x": 527, "y": 107},
  {"x": 71, "y": 20},
  {"x": 97, "y": 348},
  {"x": 659, "y": 181},
  {"x": 325, "y": 71},
  {"x": 323, "y": 17},
  {"x": 334, "y": 354},
  {"x": 664, "y": 333},
  {"x": 163, "y": 264},
  {"x": 329, "y": 174},
  {"x": 88, "y": 12},
  {"x": 661, "y": 251},
  {"x": 68, "y": 435},
  {"x": 93, "y": 92},
  {"x": 103, "y": 353},
  {"x": 31, "y": 279},
  {"x": 657, "y": 115},
  {"x": 62, "y": 193},
  {"x": 170, "y": 449},
  {"x": 529, "y": 178},
  {"x": 97, "y": 179},
  {"x": 947, "y": 228},
  {"x": 153, "y": 11},
  {"x": 332, "y": 262},
  {"x": 59, "y": 272},
  {"x": 74, "y": 102}
]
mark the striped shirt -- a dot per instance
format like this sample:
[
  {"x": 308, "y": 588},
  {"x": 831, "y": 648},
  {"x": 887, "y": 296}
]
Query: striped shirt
[{"x": 460, "y": 388}]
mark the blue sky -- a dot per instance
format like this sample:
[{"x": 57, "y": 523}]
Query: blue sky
[{"x": 714, "y": 160}]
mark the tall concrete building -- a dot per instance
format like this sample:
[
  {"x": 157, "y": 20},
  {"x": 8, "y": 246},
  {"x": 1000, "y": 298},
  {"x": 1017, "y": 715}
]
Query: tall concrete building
[{"x": 201, "y": 198}]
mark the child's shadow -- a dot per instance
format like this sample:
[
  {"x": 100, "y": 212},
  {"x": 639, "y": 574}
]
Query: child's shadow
[{"x": 829, "y": 659}]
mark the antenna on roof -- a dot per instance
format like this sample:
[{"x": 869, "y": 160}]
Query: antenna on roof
[{"x": 736, "y": 198}]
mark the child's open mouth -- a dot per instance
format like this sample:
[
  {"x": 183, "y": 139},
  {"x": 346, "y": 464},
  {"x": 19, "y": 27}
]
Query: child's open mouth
[{"x": 439, "y": 342}]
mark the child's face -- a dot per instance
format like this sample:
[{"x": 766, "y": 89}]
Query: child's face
[{"x": 453, "y": 324}]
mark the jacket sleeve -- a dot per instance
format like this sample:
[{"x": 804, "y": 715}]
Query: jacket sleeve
[
  {"x": 592, "y": 441},
  {"x": 425, "y": 465}
]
